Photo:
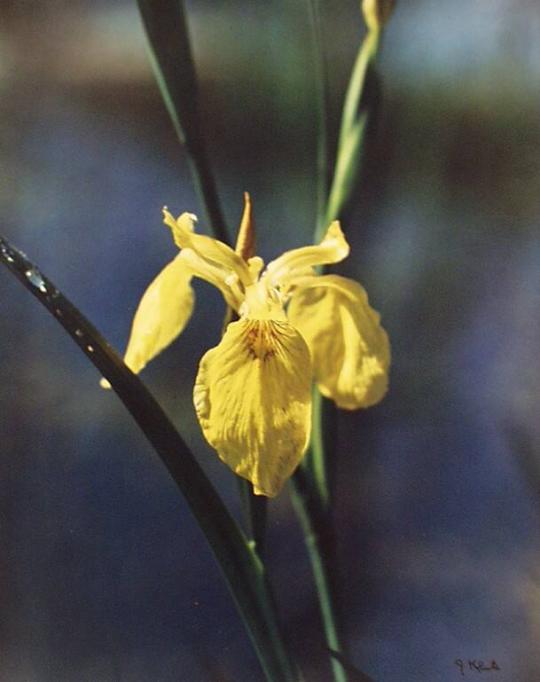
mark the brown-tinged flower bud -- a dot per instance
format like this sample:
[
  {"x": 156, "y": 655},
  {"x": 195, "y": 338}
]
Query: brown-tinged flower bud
[
  {"x": 377, "y": 12},
  {"x": 245, "y": 242}
]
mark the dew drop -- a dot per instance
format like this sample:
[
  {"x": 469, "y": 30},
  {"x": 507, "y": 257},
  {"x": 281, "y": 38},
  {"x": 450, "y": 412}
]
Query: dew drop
[
  {"x": 33, "y": 275},
  {"x": 6, "y": 254},
  {"x": 79, "y": 333},
  {"x": 90, "y": 349}
]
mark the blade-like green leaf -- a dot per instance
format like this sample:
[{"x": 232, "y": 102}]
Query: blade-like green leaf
[
  {"x": 355, "y": 675},
  {"x": 166, "y": 28},
  {"x": 241, "y": 567},
  {"x": 320, "y": 78}
]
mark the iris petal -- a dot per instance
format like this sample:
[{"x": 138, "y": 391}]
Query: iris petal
[
  {"x": 208, "y": 248},
  {"x": 253, "y": 400},
  {"x": 218, "y": 277},
  {"x": 163, "y": 312},
  {"x": 349, "y": 348},
  {"x": 333, "y": 248}
]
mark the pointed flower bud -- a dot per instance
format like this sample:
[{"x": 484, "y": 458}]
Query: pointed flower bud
[
  {"x": 245, "y": 242},
  {"x": 377, "y": 13}
]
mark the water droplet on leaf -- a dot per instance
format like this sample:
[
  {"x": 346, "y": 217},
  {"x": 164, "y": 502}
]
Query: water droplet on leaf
[
  {"x": 7, "y": 255},
  {"x": 33, "y": 275}
]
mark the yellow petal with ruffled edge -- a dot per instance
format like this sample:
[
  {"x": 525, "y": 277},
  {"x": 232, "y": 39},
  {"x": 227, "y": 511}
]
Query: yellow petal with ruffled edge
[
  {"x": 208, "y": 248},
  {"x": 252, "y": 396},
  {"x": 333, "y": 248},
  {"x": 349, "y": 348},
  {"x": 199, "y": 267},
  {"x": 163, "y": 312}
]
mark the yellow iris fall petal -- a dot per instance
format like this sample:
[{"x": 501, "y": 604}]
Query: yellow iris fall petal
[
  {"x": 349, "y": 348},
  {"x": 253, "y": 400},
  {"x": 162, "y": 314}
]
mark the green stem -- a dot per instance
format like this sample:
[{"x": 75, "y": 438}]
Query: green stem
[
  {"x": 241, "y": 567},
  {"x": 310, "y": 489},
  {"x": 353, "y": 97},
  {"x": 317, "y": 450},
  {"x": 255, "y": 513},
  {"x": 317, "y": 537},
  {"x": 354, "y": 125},
  {"x": 321, "y": 107},
  {"x": 347, "y": 166}
]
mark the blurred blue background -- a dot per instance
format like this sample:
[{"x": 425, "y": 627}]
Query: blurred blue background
[{"x": 104, "y": 575}]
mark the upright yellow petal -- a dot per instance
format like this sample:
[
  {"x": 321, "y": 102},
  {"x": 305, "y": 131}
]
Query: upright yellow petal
[
  {"x": 221, "y": 279},
  {"x": 333, "y": 248},
  {"x": 253, "y": 400},
  {"x": 349, "y": 348},
  {"x": 163, "y": 312},
  {"x": 210, "y": 249}
]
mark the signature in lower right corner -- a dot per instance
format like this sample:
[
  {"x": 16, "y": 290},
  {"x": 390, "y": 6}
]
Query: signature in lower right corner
[{"x": 475, "y": 665}]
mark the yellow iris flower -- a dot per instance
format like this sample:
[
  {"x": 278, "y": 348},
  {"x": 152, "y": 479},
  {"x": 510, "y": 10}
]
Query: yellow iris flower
[{"x": 252, "y": 393}]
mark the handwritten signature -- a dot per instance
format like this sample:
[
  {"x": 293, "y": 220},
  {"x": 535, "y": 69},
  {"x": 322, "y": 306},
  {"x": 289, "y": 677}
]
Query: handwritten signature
[{"x": 476, "y": 665}]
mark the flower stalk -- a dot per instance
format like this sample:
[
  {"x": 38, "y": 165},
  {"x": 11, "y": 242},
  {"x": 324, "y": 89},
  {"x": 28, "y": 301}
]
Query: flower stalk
[
  {"x": 310, "y": 487},
  {"x": 321, "y": 110},
  {"x": 358, "y": 110},
  {"x": 318, "y": 538},
  {"x": 359, "y": 107}
]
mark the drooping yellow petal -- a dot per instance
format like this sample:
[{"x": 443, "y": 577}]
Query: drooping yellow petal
[
  {"x": 163, "y": 312},
  {"x": 208, "y": 248},
  {"x": 333, "y": 248},
  {"x": 253, "y": 400},
  {"x": 349, "y": 348}
]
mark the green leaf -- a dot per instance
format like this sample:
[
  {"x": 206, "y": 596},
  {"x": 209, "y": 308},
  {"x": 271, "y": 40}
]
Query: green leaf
[
  {"x": 318, "y": 535},
  {"x": 320, "y": 76},
  {"x": 355, "y": 675},
  {"x": 166, "y": 28},
  {"x": 241, "y": 567}
]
